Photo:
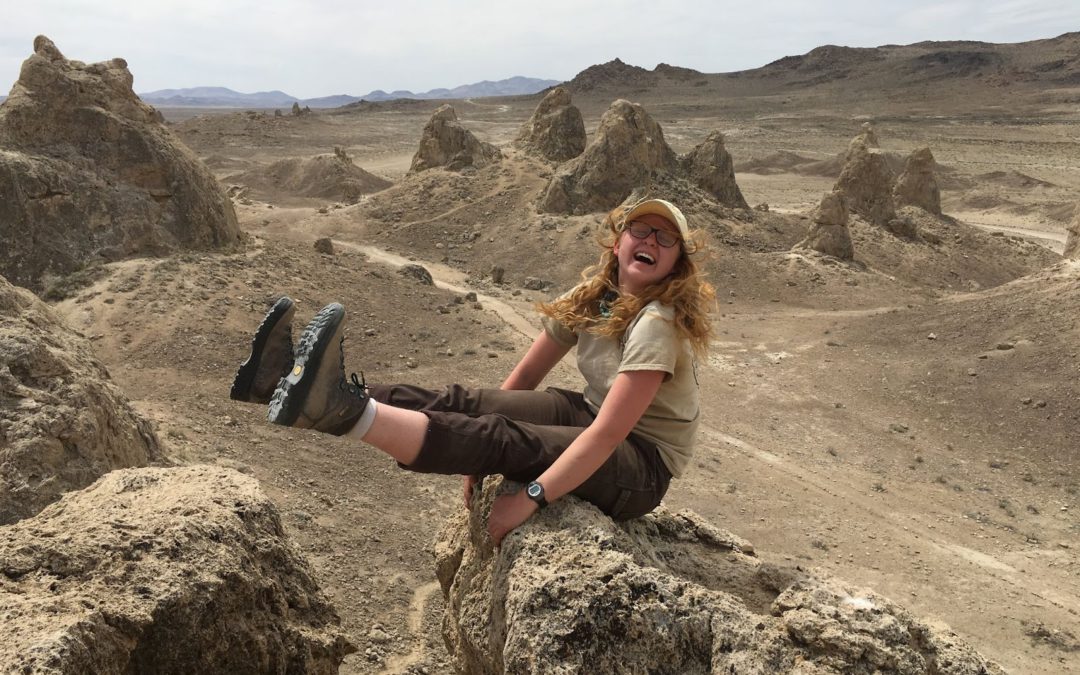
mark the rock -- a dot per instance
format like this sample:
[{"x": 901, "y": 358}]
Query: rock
[
  {"x": 418, "y": 272},
  {"x": 63, "y": 424},
  {"x": 160, "y": 570},
  {"x": 1072, "y": 241},
  {"x": 572, "y": 591},
  {"x": 534, "y": 284},
  {"x": 497, "y": 274},
  {"x": 328, "y": 176},
  {"x": 556, "y": 130},
  {"x": 867, "y": 180},
  {"x": 446, "y": 143},
  {"x": 628, "y": 150},
  {"x": 325, "y": 245},
  {"x": 829, "y": 232},
  {"x": 709, "y": 166},
  {"x": 90, "y": 173},
  {"x": 917, "y": 185}
]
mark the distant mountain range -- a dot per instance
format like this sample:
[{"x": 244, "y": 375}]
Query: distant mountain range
[{"x": 221, "y": 97}]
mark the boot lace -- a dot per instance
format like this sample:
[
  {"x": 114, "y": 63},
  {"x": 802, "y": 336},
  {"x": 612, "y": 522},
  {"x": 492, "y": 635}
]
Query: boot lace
[{"x": 357, "y": 386}]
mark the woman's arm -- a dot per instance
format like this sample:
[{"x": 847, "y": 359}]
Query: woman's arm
[
  {"x": 536, "y": 364},
  {"x": 626, "y": 402},
  {"x": 527, "y": 374}
]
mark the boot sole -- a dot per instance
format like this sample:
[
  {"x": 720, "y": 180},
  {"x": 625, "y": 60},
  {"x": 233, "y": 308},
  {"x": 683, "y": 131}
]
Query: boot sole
[
  {"x": 292, "y": 391},
  {"x": 282, "y": 310}
]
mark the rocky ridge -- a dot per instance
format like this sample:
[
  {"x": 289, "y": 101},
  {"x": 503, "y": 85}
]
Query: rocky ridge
[
  {"x": 572, "y": 591},
  {"x": 89, "y": 173},
  {"x": 63, "y": 423},
  {"x": 446, "y": 143},
  {"x": 162, "y": 571}
]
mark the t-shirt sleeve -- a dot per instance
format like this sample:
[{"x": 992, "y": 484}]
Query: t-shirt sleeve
[
  {"x": 652, "y": 344},
  {"x": 558, "y": 332}
]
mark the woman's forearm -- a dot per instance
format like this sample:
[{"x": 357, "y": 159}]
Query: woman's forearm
[{"x": 585, "y": 455}]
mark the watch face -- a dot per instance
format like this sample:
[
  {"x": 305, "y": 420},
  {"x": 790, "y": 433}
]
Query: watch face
[{"x": 534, "y": 489}]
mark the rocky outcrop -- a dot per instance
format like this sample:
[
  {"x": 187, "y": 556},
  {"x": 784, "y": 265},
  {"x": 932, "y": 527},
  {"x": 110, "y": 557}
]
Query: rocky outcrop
[
  {"x": 90, "y": 173},
  {"x": 572, "y": 591},
  {"x": 329, "y": 176},
  {"x": 556, "y": 130},
  {"x": 63, "y": 424},
  {"x": 829, "y": 231},
  {"x": 628, "y": 150},
  {"x": 867, "y": 180},
  {"x": 445, "y": 143},
  {"x": 1072, "y": 239},
  {"x": 917, "y": 185},
  {"x": 709, "y": 166},
  {"x": 183, "y": 570}
]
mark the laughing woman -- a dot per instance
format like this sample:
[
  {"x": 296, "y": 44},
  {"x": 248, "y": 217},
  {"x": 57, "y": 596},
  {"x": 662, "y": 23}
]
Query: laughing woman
[{"x": 638, "y": 320}]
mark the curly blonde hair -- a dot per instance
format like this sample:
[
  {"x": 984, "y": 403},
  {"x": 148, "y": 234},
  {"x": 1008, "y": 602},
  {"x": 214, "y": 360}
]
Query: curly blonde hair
[{"x": 685, "y": 290}]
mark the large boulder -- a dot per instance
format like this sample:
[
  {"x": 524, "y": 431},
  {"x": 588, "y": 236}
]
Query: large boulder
[
  {"x": 1072, "y": 239},
  {"x": 90, "y": 173},
  {"x": 182, "y": 570},
  {"x": 329, "y": 176},
  {"x": 62, "y": 422},
  {"x": 627, "y": 153},
  {"x": 828, "y": 232},
  {"x": 867, "y": 180},
  {"x": 571, "y": 591},
  {"x": 446, "y": 143},
  {"x": 709, "y": 166},
  {"x": 556, "y": 130},
  {"x": 917, "y": 185}
]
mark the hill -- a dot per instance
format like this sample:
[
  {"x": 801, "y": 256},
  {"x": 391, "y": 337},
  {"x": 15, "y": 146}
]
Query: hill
[{"x": 222, "y": 97}]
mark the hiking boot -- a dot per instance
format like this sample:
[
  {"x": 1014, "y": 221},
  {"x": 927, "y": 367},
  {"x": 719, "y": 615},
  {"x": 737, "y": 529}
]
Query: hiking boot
[
  {"x": 271, "y": 356},
  {"x": 315, "y": 393}
]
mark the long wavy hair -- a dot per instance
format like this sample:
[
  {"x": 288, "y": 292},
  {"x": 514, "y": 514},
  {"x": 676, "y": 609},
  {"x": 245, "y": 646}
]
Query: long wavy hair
[{"x": 685, "y": 290}]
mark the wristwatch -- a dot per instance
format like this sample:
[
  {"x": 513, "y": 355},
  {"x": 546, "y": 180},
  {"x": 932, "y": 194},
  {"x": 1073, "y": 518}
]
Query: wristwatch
[{"x": 535, "y": 492}]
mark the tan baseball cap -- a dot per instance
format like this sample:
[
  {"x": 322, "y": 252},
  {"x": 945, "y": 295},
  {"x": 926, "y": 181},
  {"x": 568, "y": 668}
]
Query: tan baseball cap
[{"x": 663, "y": 208}]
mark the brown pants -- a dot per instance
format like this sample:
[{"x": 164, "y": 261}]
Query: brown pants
[{"x": 519, "y": 434}]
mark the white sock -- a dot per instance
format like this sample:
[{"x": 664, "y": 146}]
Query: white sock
[{"x": 367, "y": 418}]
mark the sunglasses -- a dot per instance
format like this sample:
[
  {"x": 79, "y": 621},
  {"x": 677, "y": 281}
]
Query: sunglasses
[{"x": 639, "y": 230}]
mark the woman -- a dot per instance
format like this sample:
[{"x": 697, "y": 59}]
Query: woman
[{"x": 638, "y": 319}]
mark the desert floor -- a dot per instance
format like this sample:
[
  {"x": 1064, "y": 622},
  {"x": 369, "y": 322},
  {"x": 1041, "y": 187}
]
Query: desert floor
[{"x": 939, "y": 471}]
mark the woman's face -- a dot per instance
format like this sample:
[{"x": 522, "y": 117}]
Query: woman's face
[{"x": 643, "y": 262}]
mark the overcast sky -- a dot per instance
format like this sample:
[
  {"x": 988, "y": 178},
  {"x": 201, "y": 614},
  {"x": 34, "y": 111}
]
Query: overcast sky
[{"x": 321, "y": 47}]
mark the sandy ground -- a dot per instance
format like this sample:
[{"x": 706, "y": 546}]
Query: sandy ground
[{"x": 940, "y": 471}]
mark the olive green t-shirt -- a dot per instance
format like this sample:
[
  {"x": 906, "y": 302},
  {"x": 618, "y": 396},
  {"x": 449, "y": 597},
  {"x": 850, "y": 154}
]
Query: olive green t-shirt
[{"x": 651, "y": 342}]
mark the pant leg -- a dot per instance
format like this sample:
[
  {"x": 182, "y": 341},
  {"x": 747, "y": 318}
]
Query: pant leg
[
  {"x": 630, "y": 483},
  {"x": 552, "y": 406}
]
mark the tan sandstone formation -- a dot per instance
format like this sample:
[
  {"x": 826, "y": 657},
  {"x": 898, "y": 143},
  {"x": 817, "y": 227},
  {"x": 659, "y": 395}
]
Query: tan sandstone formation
[
  {"x": 556, "y": 130},
  {"x": 182, "y": 570},
  {"x": 627, "y": 152},
  {"x": 867, "y": 180},
  {"x": 446, "y": 143},
  {"x": 89, "y": 173},
  {"x": 329, "y": 176},
  {"x": 1072, "y": 240},
  {"x": 571, "y": 592},
  {"x": 917, "y": 185},
  {"x": 829, "y": 231},
  {"x": 709, "y": 166},
  {"x": 63, "y": 424}
]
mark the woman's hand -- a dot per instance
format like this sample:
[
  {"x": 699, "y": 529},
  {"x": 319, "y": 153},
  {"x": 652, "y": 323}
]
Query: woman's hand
[
  {"x": 507, "y": 512},
  {"x": 470, "y": 484}
]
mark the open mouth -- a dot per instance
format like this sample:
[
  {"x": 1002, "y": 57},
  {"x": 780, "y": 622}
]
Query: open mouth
[{"x": 644, "y": 258}]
